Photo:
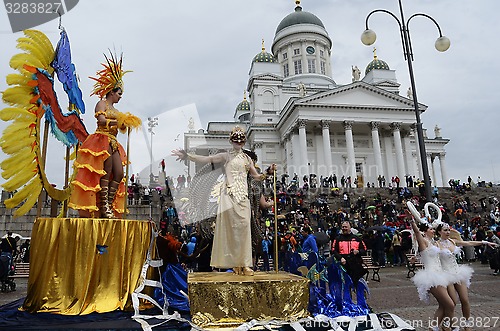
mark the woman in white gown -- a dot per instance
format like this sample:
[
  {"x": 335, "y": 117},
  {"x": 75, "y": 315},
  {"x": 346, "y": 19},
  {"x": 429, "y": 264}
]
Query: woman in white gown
[
  {"x": 460, "y": 274},
  {"x": 232, "y": 245},
  {"x": 432, "y": 278}
]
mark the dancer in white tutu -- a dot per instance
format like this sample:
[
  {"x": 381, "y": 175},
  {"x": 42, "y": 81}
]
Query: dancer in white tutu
[
  {"x": 460, "y": 274},
  {"x": 432, "y": 278}
]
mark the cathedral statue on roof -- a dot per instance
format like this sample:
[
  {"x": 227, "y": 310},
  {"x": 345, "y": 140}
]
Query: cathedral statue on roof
[{"x": 356, "y": 73}]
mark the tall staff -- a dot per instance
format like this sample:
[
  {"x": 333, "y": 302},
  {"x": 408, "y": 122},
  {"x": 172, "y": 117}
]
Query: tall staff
[
  {"x": 125, "y": 203},
  {"x": 275, "y": 224}
]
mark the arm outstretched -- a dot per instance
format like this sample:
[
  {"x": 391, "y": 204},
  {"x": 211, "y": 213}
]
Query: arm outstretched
[{"x": 183, "y": 155}]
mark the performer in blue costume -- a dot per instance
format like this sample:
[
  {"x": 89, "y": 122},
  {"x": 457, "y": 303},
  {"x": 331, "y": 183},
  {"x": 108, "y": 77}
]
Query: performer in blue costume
[{"x": 173, "y": 275}]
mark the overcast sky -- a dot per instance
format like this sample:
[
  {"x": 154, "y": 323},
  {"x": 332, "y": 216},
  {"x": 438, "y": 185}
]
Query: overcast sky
[{"x": 192, "y": 57}]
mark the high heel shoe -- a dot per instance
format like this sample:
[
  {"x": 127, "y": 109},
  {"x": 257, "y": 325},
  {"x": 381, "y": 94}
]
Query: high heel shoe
[
  {"x": 237, "y": 270},
  {"x": 248, "y": 271}
]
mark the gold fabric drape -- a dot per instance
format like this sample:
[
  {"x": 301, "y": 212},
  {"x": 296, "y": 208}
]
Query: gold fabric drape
[
  {"x": 73, "y": 273},
  {"x": 221, "y": 299}
]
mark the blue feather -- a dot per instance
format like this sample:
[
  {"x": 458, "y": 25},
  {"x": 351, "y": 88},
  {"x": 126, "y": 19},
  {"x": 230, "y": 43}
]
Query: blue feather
[
  {"x": 66, "y": 72},
  {"x": 360, "y": 295}
]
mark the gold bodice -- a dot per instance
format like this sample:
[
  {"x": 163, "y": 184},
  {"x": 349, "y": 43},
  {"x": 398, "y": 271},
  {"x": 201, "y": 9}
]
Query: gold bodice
[{"x": 111, "y": 114}]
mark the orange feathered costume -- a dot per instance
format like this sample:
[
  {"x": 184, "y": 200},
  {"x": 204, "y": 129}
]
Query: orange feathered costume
[
  {"x": 90, "y": 165},
  {"x": 93, "y": 152}
]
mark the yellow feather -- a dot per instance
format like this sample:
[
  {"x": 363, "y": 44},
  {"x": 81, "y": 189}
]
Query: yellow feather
[
  {"x": 18, "y": 147},
  {"x": 32, "y": 199},
  {"x": 26, "y": 40},
  {"x": 30, "y": 46},
  {"x": 14, "y": 113},
  {"x": 17, "y": 79},
  {"x": 16, "y": 97},
  {"x": 24, "y": 147},
  {"x": 129, "y": 120},
  {"x": 18, "y": 90},
  {"x": 41, "y": 39},
  {"x": 21, "y": 169},
  {"x": 16, "y": 182},
  {"x": 21, "y": 89},
  {"x": 14, "y": 171},
  {"x": 23, "y": 193},
  {"x": 18, "y": 60},
  {"x": 18, "y": 129},
  {"x": 23, "y": 156}
]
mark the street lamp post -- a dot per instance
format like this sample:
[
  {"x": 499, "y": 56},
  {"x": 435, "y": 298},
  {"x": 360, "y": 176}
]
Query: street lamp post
[
  {"x": 368, "y": 37},
  {"x": 152, "y": 123}
]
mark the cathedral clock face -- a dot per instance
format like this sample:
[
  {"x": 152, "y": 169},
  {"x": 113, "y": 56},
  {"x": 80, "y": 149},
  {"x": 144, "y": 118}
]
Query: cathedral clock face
[{"x": 310, "y": 50}]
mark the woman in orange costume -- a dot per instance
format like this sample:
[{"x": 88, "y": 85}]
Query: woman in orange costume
[{"x": 99, "y": 183}]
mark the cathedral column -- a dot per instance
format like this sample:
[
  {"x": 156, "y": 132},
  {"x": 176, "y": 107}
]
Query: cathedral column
[
  {"x": 296, "y": 151},
  {"x": 304, "y": 162},
  {"x": 434, "y": 178},
  {"x": 303, "y": 57},
  {"x": 318, "y": 59},
  {"x": 417, "y": 149},
  {"x": 399, "y": 150},
  {"x": 444, "y": 176},
  {"x": 430, "y": 165},
  {"x": 389, "y": 156},
  {"x": 327, "y": 150},
  {"x": 351, "y": 161},
  {"x": 376, "y": 148},
  {"x": 288, "y": 152},
  {"x": 257, "y": 148},
  {"x": 291, "y": 69},
  {"x": 408, "y": 154}
]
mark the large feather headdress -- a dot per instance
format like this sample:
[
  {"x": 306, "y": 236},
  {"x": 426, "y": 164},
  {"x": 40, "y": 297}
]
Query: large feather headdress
[{"x": 110, "y": 77}]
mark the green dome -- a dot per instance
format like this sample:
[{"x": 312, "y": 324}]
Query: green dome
[
  {"x": 376, "y": 64},
  {"x": 299, "y": 17},
  {"x": 243, "y": 106},
  {"x": 264, "y": 57}
]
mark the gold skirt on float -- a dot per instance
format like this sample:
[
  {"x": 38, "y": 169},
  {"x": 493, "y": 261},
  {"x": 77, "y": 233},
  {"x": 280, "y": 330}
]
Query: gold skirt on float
[
  {"x": 222, "y": 299},
  {"x": 84, "y": 265}
]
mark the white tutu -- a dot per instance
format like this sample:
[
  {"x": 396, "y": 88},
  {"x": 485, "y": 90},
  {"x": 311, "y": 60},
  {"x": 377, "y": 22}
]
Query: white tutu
[
  {"x": 432, "y": 274},
  {"x": 458, "y": 273},
  {"x": 425, "y": 279},
  {"x": 462, "y": 275}
]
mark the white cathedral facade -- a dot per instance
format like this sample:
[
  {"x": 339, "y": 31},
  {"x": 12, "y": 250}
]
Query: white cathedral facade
[{"x": 298, "y": 117}]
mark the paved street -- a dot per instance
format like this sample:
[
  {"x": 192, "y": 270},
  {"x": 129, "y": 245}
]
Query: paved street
[
  {"x": 20, "y": 292},
  {"x": 396, "y": 294}
]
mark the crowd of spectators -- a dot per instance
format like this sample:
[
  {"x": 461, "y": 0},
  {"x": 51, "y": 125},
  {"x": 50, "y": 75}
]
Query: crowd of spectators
[{"x": 306, "y": 210}]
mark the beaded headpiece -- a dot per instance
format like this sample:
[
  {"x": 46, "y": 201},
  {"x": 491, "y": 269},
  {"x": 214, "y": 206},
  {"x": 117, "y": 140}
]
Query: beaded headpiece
[
  {"x": 238, "y": 135},
  {"x": 110, "y": 77}
]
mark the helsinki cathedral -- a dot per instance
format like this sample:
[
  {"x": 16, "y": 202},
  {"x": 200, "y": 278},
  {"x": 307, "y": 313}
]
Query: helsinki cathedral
[{"x": 298, "y": 117}]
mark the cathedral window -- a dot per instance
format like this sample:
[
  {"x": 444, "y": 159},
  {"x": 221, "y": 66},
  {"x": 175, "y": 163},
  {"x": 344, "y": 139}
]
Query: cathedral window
[
  {"x": 267, "y": 101},
  {"x": 298, "y": 66},
  {"x": 285, "y": 56},
  {"x": 323, "y": 67},
  {"x": 311, "y": 65},
  {"x": 286, "y": 70},
  {"x": 321, "y": 53},
  {"x": 296, "y": 51}
]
